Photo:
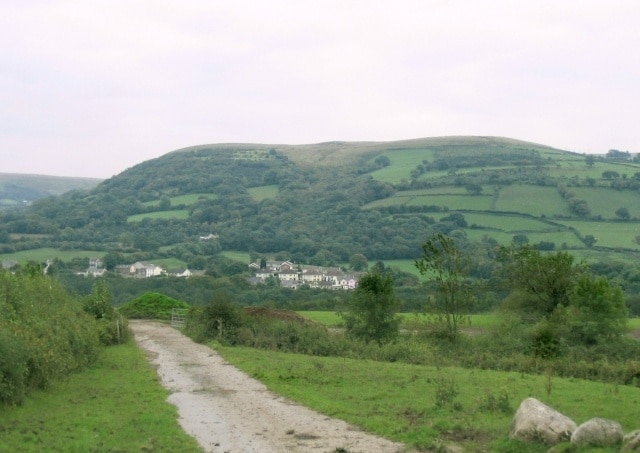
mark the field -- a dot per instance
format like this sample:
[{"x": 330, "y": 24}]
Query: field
[
  {"x": 605, "y": 202},
  {"x": 186, "y": 200},
  {"x": 418, "y": 404},
  {"x": 118, "y": 405},
  {"x": 331, "y": 319},
  {"x": 608, "y": 234},
  {"x": 263, "y": 192},
  {"x": 41, "y": 255},
  {"x": 533, "y": 200},
  {"x": 179, "y": 214}
]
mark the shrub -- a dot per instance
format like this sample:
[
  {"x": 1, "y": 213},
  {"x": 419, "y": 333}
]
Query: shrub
[{"x": 151, "y": 306}]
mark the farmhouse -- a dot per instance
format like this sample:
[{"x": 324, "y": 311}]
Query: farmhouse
[{"x": 139, "y": 269}]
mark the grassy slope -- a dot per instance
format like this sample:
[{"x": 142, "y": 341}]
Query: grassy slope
[{"x": 521, "y": 202}]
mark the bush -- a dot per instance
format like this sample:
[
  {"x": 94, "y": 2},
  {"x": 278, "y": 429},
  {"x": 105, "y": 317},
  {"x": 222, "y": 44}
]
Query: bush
[{"x": 151, "y": 306}]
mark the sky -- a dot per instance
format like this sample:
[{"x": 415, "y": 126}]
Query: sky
[{"x": 90, "y": 88}]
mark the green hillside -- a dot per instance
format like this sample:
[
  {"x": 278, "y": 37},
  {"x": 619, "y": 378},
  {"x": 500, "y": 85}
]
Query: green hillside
[{"x": 325, "y": 202}]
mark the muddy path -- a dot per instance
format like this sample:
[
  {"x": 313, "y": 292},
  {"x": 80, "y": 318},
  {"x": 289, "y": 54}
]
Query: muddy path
[{"x": 227, "y": 411}]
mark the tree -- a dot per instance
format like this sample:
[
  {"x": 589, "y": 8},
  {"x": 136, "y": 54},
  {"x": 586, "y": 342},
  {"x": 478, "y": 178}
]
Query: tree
[
  {"x": 518, "y": 240},
  {"x": 448, "y": 266},
  {"x": 372, "y": 311},
  {"x": 358, "y": 262},
  {"x": 623, "y": 213},
  {"x": 589, "y": 240},
  {"x": 473, "y": 189},
  {"x": 539, "y": 283},
  {"x": 597, "y": 312},
  {"x": 589, "y": 160}
]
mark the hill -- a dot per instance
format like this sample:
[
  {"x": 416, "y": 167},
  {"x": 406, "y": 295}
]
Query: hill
[
  {"x": 19, "y": 189},
  {"x": 322, "y": 204}
]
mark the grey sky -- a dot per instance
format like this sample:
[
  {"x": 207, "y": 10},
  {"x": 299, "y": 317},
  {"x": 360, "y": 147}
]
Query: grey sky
[{"x": 90, "y": 88}]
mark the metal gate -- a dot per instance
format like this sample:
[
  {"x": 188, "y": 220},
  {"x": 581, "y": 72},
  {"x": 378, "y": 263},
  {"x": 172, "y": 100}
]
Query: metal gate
[{"x": 178, "y": 316}]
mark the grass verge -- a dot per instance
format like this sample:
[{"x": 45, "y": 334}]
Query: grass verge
[{"x": 117, "y": 406}]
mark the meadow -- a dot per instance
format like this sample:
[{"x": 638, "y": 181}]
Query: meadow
[
  {"x": 263, "y": 192},
  {"x": 179, "y": 214},
  {"x": 43, "y": 254},
  {"x": 186, "y": 200}
]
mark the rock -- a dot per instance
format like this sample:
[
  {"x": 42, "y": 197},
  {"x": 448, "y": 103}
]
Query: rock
[
  {"x": 598, "y": 432},
  {"x": 534, "y": 422},
  {"x": 631, "y": 442}
]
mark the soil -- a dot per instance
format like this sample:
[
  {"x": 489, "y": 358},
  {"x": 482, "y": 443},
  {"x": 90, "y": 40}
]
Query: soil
[{"x": 227, "y": 411}]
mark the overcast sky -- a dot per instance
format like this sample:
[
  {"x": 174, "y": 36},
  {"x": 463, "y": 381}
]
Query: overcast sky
[{"x": 91, "y": 88}]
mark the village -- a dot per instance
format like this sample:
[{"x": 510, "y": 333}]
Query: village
[{"x": 284, "y": 274}]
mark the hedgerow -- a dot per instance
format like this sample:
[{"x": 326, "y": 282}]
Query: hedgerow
[{"x": 44, "y": 334}]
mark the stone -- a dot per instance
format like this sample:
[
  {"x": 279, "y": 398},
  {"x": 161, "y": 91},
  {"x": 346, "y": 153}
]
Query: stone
[
  {"x": 534, "y": 421},
  {"x": 631, "y": 442},
  {"x": 598, "y": 432}
]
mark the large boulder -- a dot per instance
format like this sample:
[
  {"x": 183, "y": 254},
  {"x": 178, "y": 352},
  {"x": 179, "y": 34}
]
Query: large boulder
[
  {"x": 631, "y": 442},
  {"x": 536, "y": 422},
  {"x": 598, "y": 432}
]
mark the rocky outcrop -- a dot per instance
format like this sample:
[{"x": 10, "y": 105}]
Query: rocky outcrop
[
  {"x": 535, "y": 421},
  {"x": 598, "y": 432}
]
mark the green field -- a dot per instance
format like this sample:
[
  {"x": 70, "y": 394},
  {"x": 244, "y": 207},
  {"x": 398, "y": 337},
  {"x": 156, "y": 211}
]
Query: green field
[
  {"x": 332, "y": 319},
  {"x": 186, "y": 200},
  {"x": 608, "y": 234},
  {"x": 402, "y": 162},
  {"x": 533, "y": 200},
  {"x": 41, "y": 255},
  {"x": 242, "y": 257},
  {"x": 170, "y": 263},
  {"x": 263, "y": 192},
  {"x": 508, "y": 223},
  {"x": 605, "y": 202},
  {"x": 179, "y": 214}
]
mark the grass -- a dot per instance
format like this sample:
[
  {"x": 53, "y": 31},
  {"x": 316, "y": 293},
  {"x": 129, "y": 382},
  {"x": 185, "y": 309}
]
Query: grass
[
  {"x": 331, "y": 319},
  {"x": 117, "y": 406},
  {"x": 170, "y": 263},
  {"x": 424, "y": 406},
  {"x": 179, "y": 214},
  {"x": 263, "y": 192},
  {"x": 608, "y": 234},
  {"x": 241, "y": 257},
  {"x": 407, "y": 266},
  {"x": 533, "y": 200},
  {"x": 186, "y": 200},
  {"x": 605, "y": 202},
  {"x": 508, "y": 223},
  {"x": 41, "y": 255}
]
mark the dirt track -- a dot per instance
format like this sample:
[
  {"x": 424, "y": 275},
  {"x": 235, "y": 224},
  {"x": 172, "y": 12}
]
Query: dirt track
[{"x": 227, "y": 411}]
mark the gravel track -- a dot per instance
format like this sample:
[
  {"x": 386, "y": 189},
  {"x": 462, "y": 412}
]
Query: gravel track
[{"x": 227, "y": 411}]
